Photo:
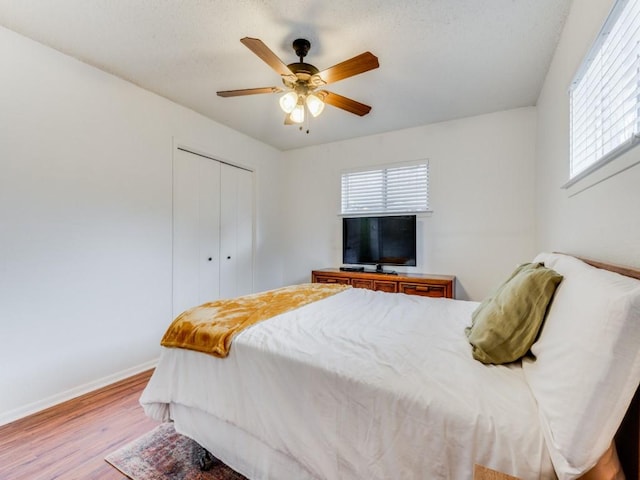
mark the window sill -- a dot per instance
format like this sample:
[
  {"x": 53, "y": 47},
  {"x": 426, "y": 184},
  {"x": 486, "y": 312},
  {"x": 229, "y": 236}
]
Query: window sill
[
  {"x": 608, "y": 166},
  {"x": 418, "y": 213}
]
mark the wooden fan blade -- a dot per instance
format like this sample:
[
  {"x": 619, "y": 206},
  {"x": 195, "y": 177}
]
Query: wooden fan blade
[
  {"x": 346, "y": 103},
  {"x": 362, "y": 63},
  {"x": 261, "y": 50},
  {"x": 248, "y": 91}
]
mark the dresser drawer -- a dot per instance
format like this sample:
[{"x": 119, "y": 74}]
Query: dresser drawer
[
  {"x": 362, "y": 283},
  {"x": 328, "y": 279},
  {"x": 423, "y": 289},
  {"x": 385, "y": 286}
]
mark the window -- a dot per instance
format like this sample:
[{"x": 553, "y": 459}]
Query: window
[
  {"x": 387, "y": 189},
  {"x": 605, "y": 94}
]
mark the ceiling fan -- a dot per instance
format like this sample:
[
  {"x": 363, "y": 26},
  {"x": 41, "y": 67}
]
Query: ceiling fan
[{"x": 304, "y": 83}]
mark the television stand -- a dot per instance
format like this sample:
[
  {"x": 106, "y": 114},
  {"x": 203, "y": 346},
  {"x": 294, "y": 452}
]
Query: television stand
[{"x": 410, "y": 283}]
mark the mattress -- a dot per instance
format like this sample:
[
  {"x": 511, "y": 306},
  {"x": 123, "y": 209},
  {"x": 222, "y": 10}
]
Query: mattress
[{"x": 362, "y": 385}]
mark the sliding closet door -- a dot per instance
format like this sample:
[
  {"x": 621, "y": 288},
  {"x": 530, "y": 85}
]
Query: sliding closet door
[
  {"x": 236, "y": 231},
  {"x": 196, "y": 230}
]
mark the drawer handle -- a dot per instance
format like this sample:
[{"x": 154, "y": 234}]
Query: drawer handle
[
  {"x": 330, "y": 280},
  {"x": 422, "y": 289}
]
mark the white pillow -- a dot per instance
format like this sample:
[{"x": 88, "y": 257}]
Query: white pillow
[{"x": 587, "y": 362}]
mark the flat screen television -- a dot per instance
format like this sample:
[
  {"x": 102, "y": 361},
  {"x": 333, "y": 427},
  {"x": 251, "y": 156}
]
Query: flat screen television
[{"x": 379, "y": 240}]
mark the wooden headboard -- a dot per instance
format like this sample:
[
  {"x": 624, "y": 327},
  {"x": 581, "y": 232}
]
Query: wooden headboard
[{"x": 628, "y": 436}]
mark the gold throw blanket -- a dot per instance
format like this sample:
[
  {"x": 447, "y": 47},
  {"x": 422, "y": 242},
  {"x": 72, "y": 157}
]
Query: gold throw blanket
[{"x": 210, "y": 327}]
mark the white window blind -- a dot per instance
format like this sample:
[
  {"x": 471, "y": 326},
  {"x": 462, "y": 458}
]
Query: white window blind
[
  {"x": 392, "y": 189},
  {"x": 605, "y": 92}
]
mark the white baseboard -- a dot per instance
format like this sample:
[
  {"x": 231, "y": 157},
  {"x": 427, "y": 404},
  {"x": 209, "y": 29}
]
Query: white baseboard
[{"x": 18, "y": 413}]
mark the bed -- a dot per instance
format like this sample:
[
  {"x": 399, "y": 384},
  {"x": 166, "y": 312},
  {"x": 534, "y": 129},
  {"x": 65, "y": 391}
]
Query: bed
[{"x": 372, "y": 385}]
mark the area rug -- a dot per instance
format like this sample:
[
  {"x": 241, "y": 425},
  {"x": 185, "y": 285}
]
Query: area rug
[{"x": 164, "y": 454}]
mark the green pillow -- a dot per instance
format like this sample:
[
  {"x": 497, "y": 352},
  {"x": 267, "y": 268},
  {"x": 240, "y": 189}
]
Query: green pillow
[{"x": 505, "y": 325}]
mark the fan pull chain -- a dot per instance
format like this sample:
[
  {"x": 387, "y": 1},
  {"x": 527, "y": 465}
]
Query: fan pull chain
[{"x": 307, "y": 120}]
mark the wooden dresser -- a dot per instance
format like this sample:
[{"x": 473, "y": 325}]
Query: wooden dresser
[{"x": 410, "y": 283}]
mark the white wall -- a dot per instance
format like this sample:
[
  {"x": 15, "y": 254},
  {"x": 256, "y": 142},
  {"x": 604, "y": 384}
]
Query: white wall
[
  {"x": 601, "y": 222},
  {"x": 85, "y": 207},
  {"x": 85, "y": 221},
  {"x": 481, "y": 193}
]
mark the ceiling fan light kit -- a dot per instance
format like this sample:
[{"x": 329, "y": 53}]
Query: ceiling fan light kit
[
  {"x": 297, "y": 115},
  {"x": 314, "y": 104},
  {"x": 304, "y": 82},
  {"x": 288, "y": 102}
]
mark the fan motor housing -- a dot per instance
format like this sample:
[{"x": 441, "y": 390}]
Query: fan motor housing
[{"x": 303, "y": 68}]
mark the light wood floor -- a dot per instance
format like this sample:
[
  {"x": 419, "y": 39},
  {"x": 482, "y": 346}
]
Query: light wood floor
[{"x": 70, "y": 440}]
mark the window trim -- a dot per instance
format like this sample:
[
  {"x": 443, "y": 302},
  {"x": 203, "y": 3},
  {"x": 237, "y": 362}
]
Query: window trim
[
  {"x": 614, "y": 161},
  {"x": 604, "y": 160}
]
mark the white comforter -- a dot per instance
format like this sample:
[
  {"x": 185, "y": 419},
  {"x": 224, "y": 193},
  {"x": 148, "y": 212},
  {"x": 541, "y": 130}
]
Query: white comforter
[{"x": 365, "y": 385}]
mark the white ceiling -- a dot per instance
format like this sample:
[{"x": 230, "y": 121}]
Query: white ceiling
[{"x": 439, "y": 59}]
